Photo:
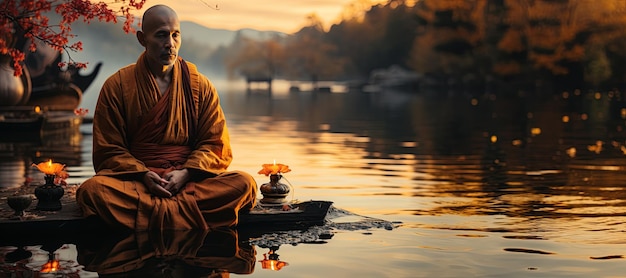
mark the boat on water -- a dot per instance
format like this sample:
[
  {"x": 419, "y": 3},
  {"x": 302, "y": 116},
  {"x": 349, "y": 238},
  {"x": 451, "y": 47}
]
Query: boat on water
[
  {"x": 32, "y": 123},
  {"x": 20, "y": 119},
  {"x": 392, "y": 78},
  {"x": 43, "y": 99}
]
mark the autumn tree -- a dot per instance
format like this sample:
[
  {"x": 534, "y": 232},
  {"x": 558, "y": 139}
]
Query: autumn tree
[
  {"x": 375, "y": 37},
  {"x": 309, "y": 54},
  {"x": 450, "y": 36},
  {"x": 369, "y": 37},
  {"x": 551, "y": 36},
  {"x": 569, "y": 42},
  {"x": 25, "y": 24},
  {"x": 255, "y": 58}
]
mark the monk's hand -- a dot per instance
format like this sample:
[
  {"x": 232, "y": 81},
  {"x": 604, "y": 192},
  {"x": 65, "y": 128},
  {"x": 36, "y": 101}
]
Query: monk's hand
[
  {"x": 176, "y": 180},
  {"x": 156, "y": 184}
]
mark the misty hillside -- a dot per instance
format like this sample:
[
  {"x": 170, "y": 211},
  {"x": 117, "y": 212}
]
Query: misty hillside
[
  {"x": 196, "y": 33},
  {"x": 108, "y": 44}
]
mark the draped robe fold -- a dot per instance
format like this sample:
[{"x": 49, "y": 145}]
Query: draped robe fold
[{"x": 136, "y": 129}]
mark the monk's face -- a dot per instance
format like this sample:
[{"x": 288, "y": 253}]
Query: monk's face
[{"x": 160, "y": 36}]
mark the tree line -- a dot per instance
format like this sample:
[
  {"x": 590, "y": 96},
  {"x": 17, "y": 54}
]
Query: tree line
[
  {"x": 562, "y": 44},
  {"x": 569, "y": 44}
]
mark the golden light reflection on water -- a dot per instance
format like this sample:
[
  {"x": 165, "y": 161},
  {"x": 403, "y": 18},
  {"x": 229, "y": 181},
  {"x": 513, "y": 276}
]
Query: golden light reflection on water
[
  {"x": 466, "y": 178},
  {"x": 553, "y": 170}
]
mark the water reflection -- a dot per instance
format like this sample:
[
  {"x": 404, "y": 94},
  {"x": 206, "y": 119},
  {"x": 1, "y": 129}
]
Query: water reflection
[
  {"x": 496, "y": 177},
  {"x": 134, "y": 254},
  {"x": 533, "y": 159},
  {"x": 169, "y": 254},
  {"x": 17, "y": 154},
  {"x": 272, "y": 261}
]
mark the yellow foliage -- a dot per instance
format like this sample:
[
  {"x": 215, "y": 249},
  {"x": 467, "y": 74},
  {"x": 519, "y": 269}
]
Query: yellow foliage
[{"x": 548, "y": 31}]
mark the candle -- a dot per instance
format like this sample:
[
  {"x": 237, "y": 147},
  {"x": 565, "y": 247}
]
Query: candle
[
  {"x": 274, "y": 169},
  {"x": 50, "y": 168},
  {"x": 50, "y": 266}
]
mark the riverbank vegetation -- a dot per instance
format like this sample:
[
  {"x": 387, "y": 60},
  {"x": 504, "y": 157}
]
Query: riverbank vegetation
[
  {"x": 554, "y": 45},
  {"x": 471, "y": 45}
]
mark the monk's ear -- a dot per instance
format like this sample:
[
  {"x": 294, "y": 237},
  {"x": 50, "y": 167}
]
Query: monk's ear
[{"x": 141, "y": 38}]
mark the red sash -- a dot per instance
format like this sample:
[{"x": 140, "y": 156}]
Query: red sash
[{"x": 145, "y": 142}]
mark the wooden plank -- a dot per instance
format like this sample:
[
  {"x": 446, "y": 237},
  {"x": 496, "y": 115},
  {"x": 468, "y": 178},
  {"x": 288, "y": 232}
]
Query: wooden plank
[{"x": 69, "y": 221}]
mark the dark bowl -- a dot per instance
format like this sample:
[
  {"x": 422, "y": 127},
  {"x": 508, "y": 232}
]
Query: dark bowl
[{"x": 19, "y": 203}]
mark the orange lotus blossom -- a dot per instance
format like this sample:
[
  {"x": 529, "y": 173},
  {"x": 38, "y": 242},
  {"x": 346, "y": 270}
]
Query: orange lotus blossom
[
  {"x": 274, "y": 169},
  {"x": 50, "y": 168}
]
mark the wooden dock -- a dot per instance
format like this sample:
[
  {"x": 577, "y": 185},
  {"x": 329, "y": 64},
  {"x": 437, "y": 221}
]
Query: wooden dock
[{"x": 256, "y": 79}]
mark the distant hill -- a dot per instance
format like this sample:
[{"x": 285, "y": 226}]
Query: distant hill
[
  {"x": 259, "y": 35},
  {"x": 203, "y": 35},
  {"x": 219, "y": 37}
]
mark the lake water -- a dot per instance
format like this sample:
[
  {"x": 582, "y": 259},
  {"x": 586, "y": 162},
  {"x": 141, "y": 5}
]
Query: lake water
[{"x": 472, "y": 186}]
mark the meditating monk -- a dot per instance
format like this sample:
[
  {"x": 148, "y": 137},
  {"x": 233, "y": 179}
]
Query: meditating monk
[{"x": 161, "y": 147}]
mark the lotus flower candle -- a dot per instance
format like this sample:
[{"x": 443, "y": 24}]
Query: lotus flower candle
[
  {"x": 274, "y": 169},
  {"x": 49, "y": 194},
  {"x": 50, "y": 168},
  {"x": 52, "y": 266},
  {"x": 274, "y": 192},
  {"x": 270, "y": 260}
]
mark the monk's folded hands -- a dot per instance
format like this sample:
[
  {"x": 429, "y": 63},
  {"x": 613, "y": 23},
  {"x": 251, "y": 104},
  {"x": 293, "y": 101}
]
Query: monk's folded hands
[
  {"x": 176, "y": 180},
  {"x": 155, "y": 184}
]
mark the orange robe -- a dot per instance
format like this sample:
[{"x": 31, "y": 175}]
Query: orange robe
[{"x": 135, "y": 130}]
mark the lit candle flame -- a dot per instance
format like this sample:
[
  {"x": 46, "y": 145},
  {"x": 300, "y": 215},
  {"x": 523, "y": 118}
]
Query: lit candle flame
[
  {"x": 272, "y": 262},
  {"x": 50, "y": 266},
  {"x": 50, "y": 168}
]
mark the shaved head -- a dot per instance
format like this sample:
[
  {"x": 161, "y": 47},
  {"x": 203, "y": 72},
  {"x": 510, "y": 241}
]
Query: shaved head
[
  {"x": 154, "y": 15},
  {"x": 160, "y": 35}
]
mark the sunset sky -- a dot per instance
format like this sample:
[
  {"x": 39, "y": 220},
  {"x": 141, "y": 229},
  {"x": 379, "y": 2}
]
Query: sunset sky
[{"x": 278, "y": 15}]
